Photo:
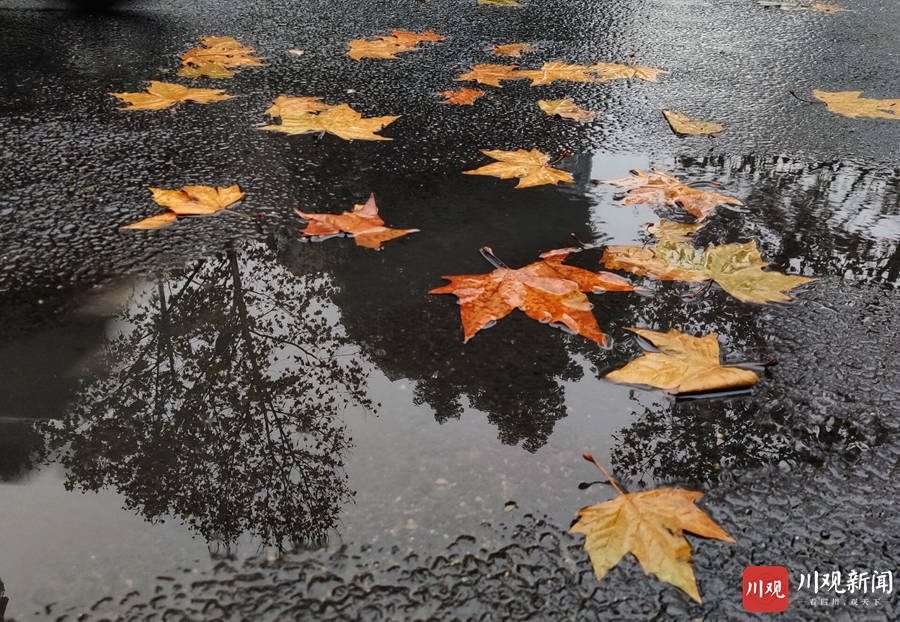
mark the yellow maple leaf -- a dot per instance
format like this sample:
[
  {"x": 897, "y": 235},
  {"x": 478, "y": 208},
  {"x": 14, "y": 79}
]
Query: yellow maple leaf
[
  {"x": 650, "y": 525},
  {"x": 737, "y": 268},
  {"x": 685, "y": 364},
  {"x": 658, "y": 188},
  {"x": 285, "y": 106},
  {"x": 674, "y": 231},
  {"x": 499, "y": 2},
  {"x": 189, "y": 201},
  {"x": 616, "y": 71},
  {"x": 555, "y": 70},
  {"x": 850, "y": 104},
  {"x": 161, "y": 95},
  {"x": 683, "y": 124},
  {"x": 215, "y": 57},
  {"x": 340, "y": 120},
  {"x": 512, "y": 49},
  {"x": 566, "y": 109},
  {"x": 491, "y": 74},
  {"x": 529, "y": 166},
  {"x": 389, "y": 46}
]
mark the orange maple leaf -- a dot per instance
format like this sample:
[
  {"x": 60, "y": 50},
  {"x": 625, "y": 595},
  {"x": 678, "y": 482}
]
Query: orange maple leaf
[
  {"x": 216, "y": 57},
  {"x": 547, "y": 291},
  {"x": 658, "y": 188},
  {"x": 463, "y": 96},
  {"x": 530, "y": 167},
  {"x": 189, "y": 201},
  {"x": 491, "y": 74},
  {"x": 161, "y": 95},
  {"x": 389, "y": 47},
  {"x": 512, "y": 49},
  {"x": 363, "y": 223}
]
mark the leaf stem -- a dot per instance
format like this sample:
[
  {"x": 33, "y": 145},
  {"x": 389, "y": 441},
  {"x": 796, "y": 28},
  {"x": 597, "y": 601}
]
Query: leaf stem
[
  {"x": 565, "y": 154},
  {"x": 583, "y": 245},
  {"x": 805, "y": 101},
  {"x": 612, "y": 482},
  {"x": 488, "y": 254},
  {"x": 768, "y": 363}
]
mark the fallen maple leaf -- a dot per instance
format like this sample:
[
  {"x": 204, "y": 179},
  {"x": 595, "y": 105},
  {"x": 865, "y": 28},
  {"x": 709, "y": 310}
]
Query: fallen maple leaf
[
  {"x": 299, "y": 116},
  {"x": 850, "y": 104},
  {"x": 554, "y": 70},
  {"x": 161, "y": 95},
  {"x": 500, "y": 2},
  {"x": 616, "y": 71},
  {"x": 512, "y": 49},
  {"x": 547, "y": 291},
  {"x": 491, "y": 74},
  {"x": 215, "y": 58},
  {"x": 189, "y": 201},
  {"x": 737, "y": 268},
  {"x": 685, "y": 364},
  {"x": 463, "y": 96},
  {"x": 650, "y": 525},
  {"x": 822, "y": 7},
  {"x": 658, "y": 188},
  {"x": 674, "y": 231},
  {"x": 529, "y": 166},
  {"x": 389, "y": 47},
  {"x": 683, "y": 124},
  {"x": 363, "y": 223},
  {"x": 566, "y": 109}
]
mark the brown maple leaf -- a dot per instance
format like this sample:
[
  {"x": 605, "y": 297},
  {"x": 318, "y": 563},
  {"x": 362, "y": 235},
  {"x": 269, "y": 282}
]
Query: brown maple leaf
[
  {"x": 491, "y": 74},
  {"x": 566, "y": 109},
  {"x": 512, "y": 49},
  {"x": 547, "y": 291},
  {"x": 529, "y": 166},
  {"x": 684, "y": 125},
  {"x": 658, "y": 188},
  {"x": 684, "y": 364},
  {"x": 674, "y": 231},
  {"x": 737, "y": 268},
  {"x": 304, "y": 115},
  {"x": 189, "y": 201},
  {"x": 616, "y": 71},
  {"x": 650, "y": 525},
  {"x": 463, "y": 96},
  {"x": 161, "y": 95},
  {"x": 363, "y": 223},
  {"x": 555, "y": 70},
  {"x": 850, "y": 104},
  {"x": 215, "y": 58},
  {"x": 389, "y": 47}
]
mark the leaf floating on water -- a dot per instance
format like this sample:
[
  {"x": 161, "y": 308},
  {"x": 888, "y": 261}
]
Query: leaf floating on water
[
  {"x": 530, "y": 167},
  {"x": 512, "y": 49},
  {"x": 363, "y": 223},
  {"x": 500, "y": 2},
  {"x": 850, "y": 104},
  {"x": 547, "y": 291},
  {"x": 737, "y": 268},
  {"x": 821, "y": 7},
  {"x": 566, "y": 109},
  {"x": 215, "y": 58},
  {"x": 162, "y": 95},
  {"x": 388, "y": 47},
  {"x": 491, "y": 74},
  {"x": 658, "y": 188},
  {"x": 650, "y": 525},
  {"x": 684, "y": 125},
  {"x": 685, "y": 364},
  {"x": 189, "y": 201},
  {"x": 674, "y": 231},
  {"x": 305, "y": 115}
]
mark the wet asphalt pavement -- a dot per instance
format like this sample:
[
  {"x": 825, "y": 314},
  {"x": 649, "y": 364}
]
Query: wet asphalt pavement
[{"x": 466, "y": 515}]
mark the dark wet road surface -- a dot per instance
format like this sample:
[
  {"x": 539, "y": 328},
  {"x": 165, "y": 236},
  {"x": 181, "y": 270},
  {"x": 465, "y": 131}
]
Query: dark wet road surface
[{"x": 410, "y": 480}]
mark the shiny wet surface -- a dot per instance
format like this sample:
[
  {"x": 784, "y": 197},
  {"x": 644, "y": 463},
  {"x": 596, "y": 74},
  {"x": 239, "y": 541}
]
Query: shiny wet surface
[{"x": 221, "y": 387}]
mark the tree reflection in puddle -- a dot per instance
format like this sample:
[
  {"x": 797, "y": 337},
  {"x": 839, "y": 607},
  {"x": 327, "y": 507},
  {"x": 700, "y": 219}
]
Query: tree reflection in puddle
[{"x": 221, "y": 403}]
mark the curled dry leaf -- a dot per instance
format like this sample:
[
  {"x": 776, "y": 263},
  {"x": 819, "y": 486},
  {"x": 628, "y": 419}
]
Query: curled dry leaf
[
  {"x": 389, "y": 46},
  {"x": 161, "y": 95},
  {"x": 683, "y": 124},
  {"x": 363, "y": 223},
  {"x": 547, "y": 291},
  {"x": 215, "y": 58},
  {"x": 658, "y": 188},
  {"x": 529, "y": 166},
  {"x": 685, "y": 364},
  {"x": 189, "y": 201},
  {"x": 463, "y": 96},
  {"x": 737, "y": 268},
  {"x": 566, "y": 109},
  {"x": 850, "y": 104},
  {"x": 305, "y": 115},
  {"x": 650, "y": 525},
  {"x": 512, "y": 49},
  {"x": 491, "y": 74}
]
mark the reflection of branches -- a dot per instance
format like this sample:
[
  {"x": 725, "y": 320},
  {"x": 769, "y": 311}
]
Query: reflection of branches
[
  {"x": 21, "y": 448},
  {"x": 220, "y": 407}
]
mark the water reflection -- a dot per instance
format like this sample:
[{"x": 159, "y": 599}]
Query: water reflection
[{"x": 221, "y": 402}]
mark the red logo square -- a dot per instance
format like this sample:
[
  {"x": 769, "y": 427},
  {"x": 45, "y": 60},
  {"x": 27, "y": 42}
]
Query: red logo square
[{"x": 766, "y": 588}]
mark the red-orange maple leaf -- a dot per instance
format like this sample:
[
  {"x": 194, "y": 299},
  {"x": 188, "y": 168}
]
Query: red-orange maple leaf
[
  {"x": 363, "y": 223},
  {"x": 545, "y": 290}
]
